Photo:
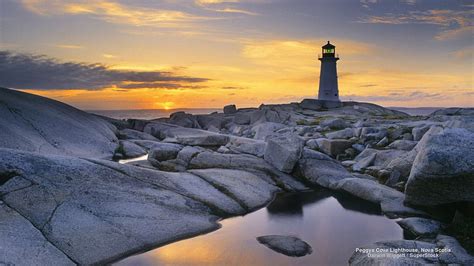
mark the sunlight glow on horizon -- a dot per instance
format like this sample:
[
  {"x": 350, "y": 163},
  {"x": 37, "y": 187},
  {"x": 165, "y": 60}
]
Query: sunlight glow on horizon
[{"x": 421, "y": 57}]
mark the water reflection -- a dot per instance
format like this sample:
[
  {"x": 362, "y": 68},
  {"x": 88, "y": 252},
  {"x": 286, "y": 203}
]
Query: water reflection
[{"x": 333, "y": 224}]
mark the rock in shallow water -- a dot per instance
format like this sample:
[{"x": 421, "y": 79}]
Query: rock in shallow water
[{"x": 288, "y": 245}]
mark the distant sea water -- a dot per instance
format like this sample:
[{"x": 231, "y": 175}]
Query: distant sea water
[{"x": 149, "y": 114}]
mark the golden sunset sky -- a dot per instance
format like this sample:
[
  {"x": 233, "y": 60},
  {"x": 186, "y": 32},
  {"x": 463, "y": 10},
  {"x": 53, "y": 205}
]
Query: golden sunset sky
[{"x": 208, "y": 53}]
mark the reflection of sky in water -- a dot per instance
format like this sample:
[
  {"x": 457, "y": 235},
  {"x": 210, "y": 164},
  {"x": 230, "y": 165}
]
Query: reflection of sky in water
[{"x": 333, "y": 224}]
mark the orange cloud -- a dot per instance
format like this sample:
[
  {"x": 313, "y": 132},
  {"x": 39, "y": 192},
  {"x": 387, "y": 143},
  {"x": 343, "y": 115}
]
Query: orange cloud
[{"x": 114, "y": 12}]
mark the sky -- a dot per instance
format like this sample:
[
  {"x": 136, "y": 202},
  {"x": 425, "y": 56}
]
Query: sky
[{"x": 166, "y": 54}]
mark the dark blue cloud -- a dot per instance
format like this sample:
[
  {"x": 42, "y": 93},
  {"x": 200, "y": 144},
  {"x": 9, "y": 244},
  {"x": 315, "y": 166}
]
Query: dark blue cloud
[{"x": 27, "y": 71}]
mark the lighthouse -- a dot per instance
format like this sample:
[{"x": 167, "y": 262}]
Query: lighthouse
[{"x": 328, "y": 88}]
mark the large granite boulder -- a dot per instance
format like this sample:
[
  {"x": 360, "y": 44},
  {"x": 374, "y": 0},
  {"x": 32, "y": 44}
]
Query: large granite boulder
[
  {"x": 369, "y": 190},
  {"x": 320, "y": 169},
  {"x": 265, "y": 129},
  {"x": 184, "y": 120},
  {"x": 311, "y": 104},
  {"x": 128, "y": 133},
  {"x": 341, "y": 134},
  {"x": 334, "y": 123},
  {"x": 284, "y": 151},
  {"x": 333, "y": 147},
  {"x": 421, "y": 226},
  {"x": 401, "y": 144},
  {"x": 163, "y": 152},
  {"x": 128, "y": 149},
  {"x": 33, "y": 123},
  {"x": 230, "y": 109},
  {"x": 185, "y": 136},
  {"x": 418, "y": 132},
  {"x": 90, "y": 211},
  {"x": 373, "y": 133},
  {"x": 443, "y": 171},
  {"x": 242, "y": 118},
  {"x": 248, "y": 146}
]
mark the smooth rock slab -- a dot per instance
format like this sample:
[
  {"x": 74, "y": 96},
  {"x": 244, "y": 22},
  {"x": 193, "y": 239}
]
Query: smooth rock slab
[
  {"x": 131, "y": 150},
  {"x": 164, "y": 151},
  {"x": 320, "y": 169},
  {"x": 287, "y": 245},
  {"x": 33, "y": 123},
  {"x": 246, "y": 188},
  {"x": 22, "y": 244},
  {"x": 421, "y": 226},
  {"x": 245, "y": 162},
  {"x": 248, "y": 146},
  {"x": 402, "y": 144},
  {"x": 135, "y": 134},
  {"x": 94, "y": 213},
  {"x": 369, "y": 190},
  {"x": 186, "y": 184}
]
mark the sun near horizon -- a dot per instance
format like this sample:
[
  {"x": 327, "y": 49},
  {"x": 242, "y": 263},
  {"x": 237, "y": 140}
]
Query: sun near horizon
[{"x": 109, "y": 55}]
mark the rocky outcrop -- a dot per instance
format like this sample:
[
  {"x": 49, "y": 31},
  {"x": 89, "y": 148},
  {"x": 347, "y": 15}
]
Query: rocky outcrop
[
  {"x": 283, "y": 152},
  {"x": 421, "y": 226},
  {"x": 245, "y": 162},
  {"x": 92, "y": 212},
  {"x": 79, "y": 208},
  {"x": 128, "y": 149},
  {"x": 287, "y": 245},
  {"x": 443, "y": 171},
  {"x": 247, "y": 146},
  {"x": 334, "y": 147},
  {"x": 37, "y": 124},
  {"x": 128, "y": 133},
  {"x": 247, "y": 189},
  {"x": 320, "y": 169},
  {"x": 230, "y": 109}
]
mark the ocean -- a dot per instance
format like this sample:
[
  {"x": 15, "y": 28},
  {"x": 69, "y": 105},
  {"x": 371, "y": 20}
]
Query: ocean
[{"x": 149, "y": 114}]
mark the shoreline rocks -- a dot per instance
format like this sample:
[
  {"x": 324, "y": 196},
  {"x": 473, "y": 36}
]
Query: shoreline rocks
[{"x": 58, "y": 183}]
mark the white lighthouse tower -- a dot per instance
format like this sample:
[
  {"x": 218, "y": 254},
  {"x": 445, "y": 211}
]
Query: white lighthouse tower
[{"x": 328, "y": 88}]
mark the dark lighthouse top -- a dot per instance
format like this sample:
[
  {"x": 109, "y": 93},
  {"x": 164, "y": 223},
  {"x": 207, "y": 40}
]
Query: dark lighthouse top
[{"x": 329, "y": 50}]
